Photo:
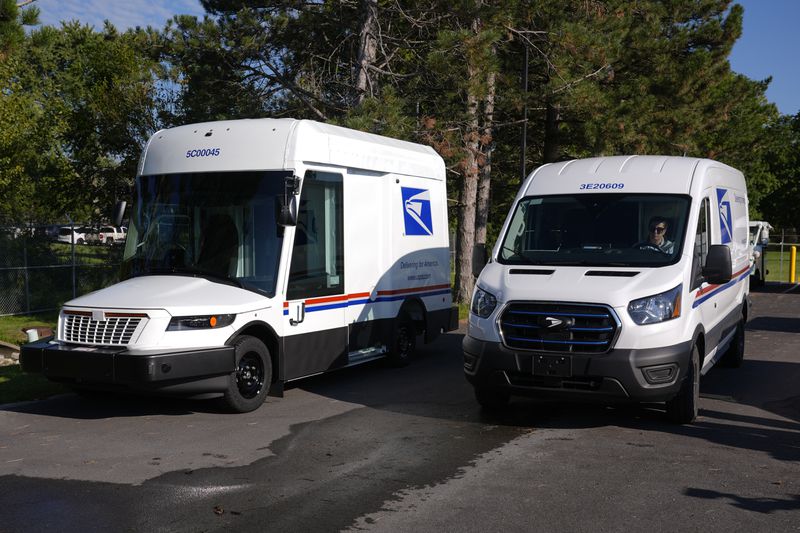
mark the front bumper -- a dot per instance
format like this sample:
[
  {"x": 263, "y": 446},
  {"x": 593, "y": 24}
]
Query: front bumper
[
  {"x": 190, "y": 372},
  {"x": 649, "y": 375}
]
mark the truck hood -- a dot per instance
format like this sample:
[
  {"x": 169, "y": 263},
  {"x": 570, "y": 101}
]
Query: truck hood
[
  {"x": 178, "y": 295},
  {"x": 611, "y": 286}
]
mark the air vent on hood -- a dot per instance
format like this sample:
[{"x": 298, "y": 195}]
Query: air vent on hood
[
  {"x": 530, "y": 272},
  {"x": 611, "y": 273}
]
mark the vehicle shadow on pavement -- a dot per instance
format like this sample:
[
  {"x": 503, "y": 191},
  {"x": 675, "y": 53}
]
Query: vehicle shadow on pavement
[
  {"x": 100, "y": 406},
  {"x": 774, "y": 323},
  {"x": 759, "y": 505}
]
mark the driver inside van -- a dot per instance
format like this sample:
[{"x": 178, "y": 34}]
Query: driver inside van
[{"x": 657, "y": 237}]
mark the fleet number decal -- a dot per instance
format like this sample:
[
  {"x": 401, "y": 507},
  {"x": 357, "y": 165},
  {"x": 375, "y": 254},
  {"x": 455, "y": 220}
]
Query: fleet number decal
[
  {"x": 602, "y": 186},
  {"x": 203, "y": 152}
]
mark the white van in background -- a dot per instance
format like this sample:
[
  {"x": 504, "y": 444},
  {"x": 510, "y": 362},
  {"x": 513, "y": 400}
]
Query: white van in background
[
  {"x": 613, "y": 278},
  {"x": 759, "y": 239},
  {"x": 259, "y": 252}
]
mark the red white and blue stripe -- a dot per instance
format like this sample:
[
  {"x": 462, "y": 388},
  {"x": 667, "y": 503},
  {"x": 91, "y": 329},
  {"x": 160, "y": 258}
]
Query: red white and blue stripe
[
  {"x": 363, "y": 298},
  {"x": 712, "y": 290}
]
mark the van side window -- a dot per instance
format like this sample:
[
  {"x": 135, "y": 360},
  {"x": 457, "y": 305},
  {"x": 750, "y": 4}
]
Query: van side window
[
  {"x": 701, "y": 242},
  {"x": 317, "y": 267}
]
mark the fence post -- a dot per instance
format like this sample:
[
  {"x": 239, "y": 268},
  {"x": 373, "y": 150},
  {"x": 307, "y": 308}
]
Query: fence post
[
  {"x": 27, "y": 279},
  {"x": 72, "y": 240},
  {"x": 781, "y": 274}
]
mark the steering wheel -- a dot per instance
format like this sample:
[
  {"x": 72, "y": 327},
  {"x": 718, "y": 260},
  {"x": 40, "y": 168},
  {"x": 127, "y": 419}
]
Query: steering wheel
[{"x": 648, "y": 247}]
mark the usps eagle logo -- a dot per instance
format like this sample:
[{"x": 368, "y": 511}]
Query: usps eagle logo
[
  {"x": 417, "y": 211},
  {"x": 725, "y": 218}
]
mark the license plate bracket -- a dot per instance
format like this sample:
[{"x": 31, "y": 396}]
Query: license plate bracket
[{"x": 552, "y": 365}]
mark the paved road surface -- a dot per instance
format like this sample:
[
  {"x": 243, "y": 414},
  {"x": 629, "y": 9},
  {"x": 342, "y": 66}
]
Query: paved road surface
[{"x": 379, "y": 449}]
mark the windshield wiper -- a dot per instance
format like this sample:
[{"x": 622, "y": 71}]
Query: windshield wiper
[{"x": 521, "y": 255}]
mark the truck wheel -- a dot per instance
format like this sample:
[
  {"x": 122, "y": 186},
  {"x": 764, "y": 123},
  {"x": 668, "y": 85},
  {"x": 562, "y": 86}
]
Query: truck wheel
[
  {"x": 110, "y": 241},
  {"x": 734, "y": 356},
  {"x": 491, "y": 399},
  {"x": 682, "y": 409},
  {"x": 250, "y": 382},
  {"x": 403, "y": 342}
]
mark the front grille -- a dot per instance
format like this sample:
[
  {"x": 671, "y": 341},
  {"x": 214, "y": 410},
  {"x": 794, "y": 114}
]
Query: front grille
[
  {"x": 557, "y": 327},
  {"x": 116, "y": 330}
]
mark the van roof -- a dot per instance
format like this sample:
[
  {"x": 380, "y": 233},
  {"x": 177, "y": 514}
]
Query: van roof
[
  {"x": 638, "y": 173},
  {"x": 276, "y": 144}
]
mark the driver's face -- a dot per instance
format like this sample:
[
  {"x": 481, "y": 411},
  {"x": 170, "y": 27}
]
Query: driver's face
[{"x": 657, "y": 232}]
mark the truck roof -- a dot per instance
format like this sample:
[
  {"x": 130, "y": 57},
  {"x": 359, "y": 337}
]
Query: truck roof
[
  {"x": 638, "y": 173},
  {"x": 276, "y": 144}
]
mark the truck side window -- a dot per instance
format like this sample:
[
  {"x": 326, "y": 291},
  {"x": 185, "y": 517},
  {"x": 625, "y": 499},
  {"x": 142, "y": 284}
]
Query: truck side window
[
  {"x": 317, "y": 267},
  {"x": 701, "y": 241}
]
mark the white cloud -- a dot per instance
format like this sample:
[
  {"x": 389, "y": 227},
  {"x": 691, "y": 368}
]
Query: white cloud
[{"x": 123, "y": 14}]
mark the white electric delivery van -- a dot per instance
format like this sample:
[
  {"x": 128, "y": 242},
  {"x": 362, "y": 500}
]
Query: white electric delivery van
[
  {"x": 258, "y": 252},
  {"x": 613, "y": 278}
]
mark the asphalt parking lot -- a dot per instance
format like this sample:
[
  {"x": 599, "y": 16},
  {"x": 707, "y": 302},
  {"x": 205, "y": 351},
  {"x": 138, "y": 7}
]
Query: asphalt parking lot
[{"x": 380, "y": 449}]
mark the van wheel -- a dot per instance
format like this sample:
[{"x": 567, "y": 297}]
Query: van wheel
[
  {"x": 734, "y": 356},
  {"x": 404, "y": 341},
  {"x": 491, "y": 399},
  {"x": 682, "y": 409},
  {"x": 249, "y": 383}
]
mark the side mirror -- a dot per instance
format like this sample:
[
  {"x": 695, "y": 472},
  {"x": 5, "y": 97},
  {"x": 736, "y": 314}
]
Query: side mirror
[
  {"x": 119, "y": 212},
  {"x": 287, "y": 204},
  {"x": 479, "y": 258},
  {"x": 717, "y": 269}
]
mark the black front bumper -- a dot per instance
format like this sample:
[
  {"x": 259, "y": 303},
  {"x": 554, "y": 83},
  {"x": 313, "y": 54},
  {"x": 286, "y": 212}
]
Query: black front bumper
[
  {"x": 183, "y": 372},
  {"x": 651, "y": 375}
]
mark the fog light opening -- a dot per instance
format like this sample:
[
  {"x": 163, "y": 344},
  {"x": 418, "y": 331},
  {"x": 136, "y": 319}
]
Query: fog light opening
[{"x": 660, "y": 373}]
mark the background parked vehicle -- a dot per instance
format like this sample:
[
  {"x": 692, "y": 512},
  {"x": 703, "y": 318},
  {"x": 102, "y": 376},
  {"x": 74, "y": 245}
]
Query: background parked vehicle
[
  {"x": 108, "y": 235},
  {"x": 70, "y": 234},
  {"x": 759, "y": 239}
]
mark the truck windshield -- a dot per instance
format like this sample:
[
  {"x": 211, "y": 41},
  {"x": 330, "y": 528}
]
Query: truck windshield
[
  {"x": 612, "y": 229},
  {"x": 220, "y": 226}
]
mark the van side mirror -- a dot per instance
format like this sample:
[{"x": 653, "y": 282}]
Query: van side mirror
[
  {"x": 119, "y": 212},
  {"x": 287, "y": 204},
  {"x": 717, "y": 269},
  {"x": 479, "y": 258}
]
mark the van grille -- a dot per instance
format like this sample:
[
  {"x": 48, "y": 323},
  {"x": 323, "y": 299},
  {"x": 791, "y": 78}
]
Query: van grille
[
  {"x": 116, "y": 330},
  {"x": 555, "y": 327}
]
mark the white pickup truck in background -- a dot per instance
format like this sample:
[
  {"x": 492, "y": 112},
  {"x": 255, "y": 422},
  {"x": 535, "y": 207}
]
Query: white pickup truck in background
[{"x": 759, "y": 239}]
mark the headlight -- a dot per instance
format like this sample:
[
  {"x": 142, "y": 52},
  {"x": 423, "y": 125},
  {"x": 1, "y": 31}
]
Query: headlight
[
  {"x": 483, "y": 303},
  {"x": 183, "y": 323},
  {"x": 658, "y": 308}
]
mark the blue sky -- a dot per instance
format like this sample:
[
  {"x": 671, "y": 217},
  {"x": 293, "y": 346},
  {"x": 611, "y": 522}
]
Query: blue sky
[{"x": 769, "y": 45}]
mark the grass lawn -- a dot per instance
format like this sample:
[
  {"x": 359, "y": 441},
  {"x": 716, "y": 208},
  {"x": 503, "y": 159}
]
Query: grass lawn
[{"x": 11, "y": 326}]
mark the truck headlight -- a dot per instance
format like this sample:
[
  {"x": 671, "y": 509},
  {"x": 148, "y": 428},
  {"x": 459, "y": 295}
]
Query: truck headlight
[
  {"x": 483, "y": 303},
  {"x": 657, "y": 308},
  {"x": 183, "y": 323}
]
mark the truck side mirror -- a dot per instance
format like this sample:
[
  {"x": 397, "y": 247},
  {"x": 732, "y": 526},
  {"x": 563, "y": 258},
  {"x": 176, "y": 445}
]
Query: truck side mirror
[
  {"x": 479, "y": 258},
  {"x": 717, "y": 269},
  {"x": 287, "y": 204},
  {"x": 119, "y": 212}
]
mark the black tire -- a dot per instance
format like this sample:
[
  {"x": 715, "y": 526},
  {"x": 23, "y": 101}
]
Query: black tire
[
  {"x": 682, "y": 409},
  {"x": 404, "y": 341},
  {"x": 250, "y": 382},
  {"x": 734, "y": 355},
  {"x": 492, "y": 399}
]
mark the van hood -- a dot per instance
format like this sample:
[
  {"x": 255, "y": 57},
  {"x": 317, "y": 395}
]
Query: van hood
[
  {"x": 178, "y": 295},
  {"x": 611, "y": 286}
]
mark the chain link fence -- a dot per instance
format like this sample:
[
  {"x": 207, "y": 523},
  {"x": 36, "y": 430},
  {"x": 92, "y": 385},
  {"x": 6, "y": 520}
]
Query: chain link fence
[
  {"x": 779, "y": 252},
  {"x": 41, "y": 267}
]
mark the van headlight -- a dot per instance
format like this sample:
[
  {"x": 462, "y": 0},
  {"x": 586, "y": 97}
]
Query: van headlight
[
  {"x": 483, "y": 303},
  {"x": 657, "y": 308},
  {"x": 183, "y": 323}
]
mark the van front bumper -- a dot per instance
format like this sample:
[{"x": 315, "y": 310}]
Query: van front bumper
[
  {"x": 189, "y": 372},
  {"x": 649, "y": 375}
]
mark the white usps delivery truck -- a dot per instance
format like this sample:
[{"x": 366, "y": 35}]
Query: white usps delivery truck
[
  {"x": 614, "y": 278},
  {"x": 258, "y": 252}
]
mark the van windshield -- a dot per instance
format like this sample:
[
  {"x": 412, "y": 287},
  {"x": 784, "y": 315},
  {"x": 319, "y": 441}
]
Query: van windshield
[
  {"x": 220, "y": 226},
  {"x": 611, "y": 229}
]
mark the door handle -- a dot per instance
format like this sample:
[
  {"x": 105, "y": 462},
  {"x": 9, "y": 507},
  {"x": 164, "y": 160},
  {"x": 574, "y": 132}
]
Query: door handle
[{"x": 301, "y": 314}]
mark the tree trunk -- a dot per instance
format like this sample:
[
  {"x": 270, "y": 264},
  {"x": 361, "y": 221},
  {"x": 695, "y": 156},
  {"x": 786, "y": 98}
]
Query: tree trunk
[
  {"x": 552, "y": 145},
  {"x": 485, "y": 162},
  {"x": 465, "y": 240},
  {"x": 367, "y": 50}
]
